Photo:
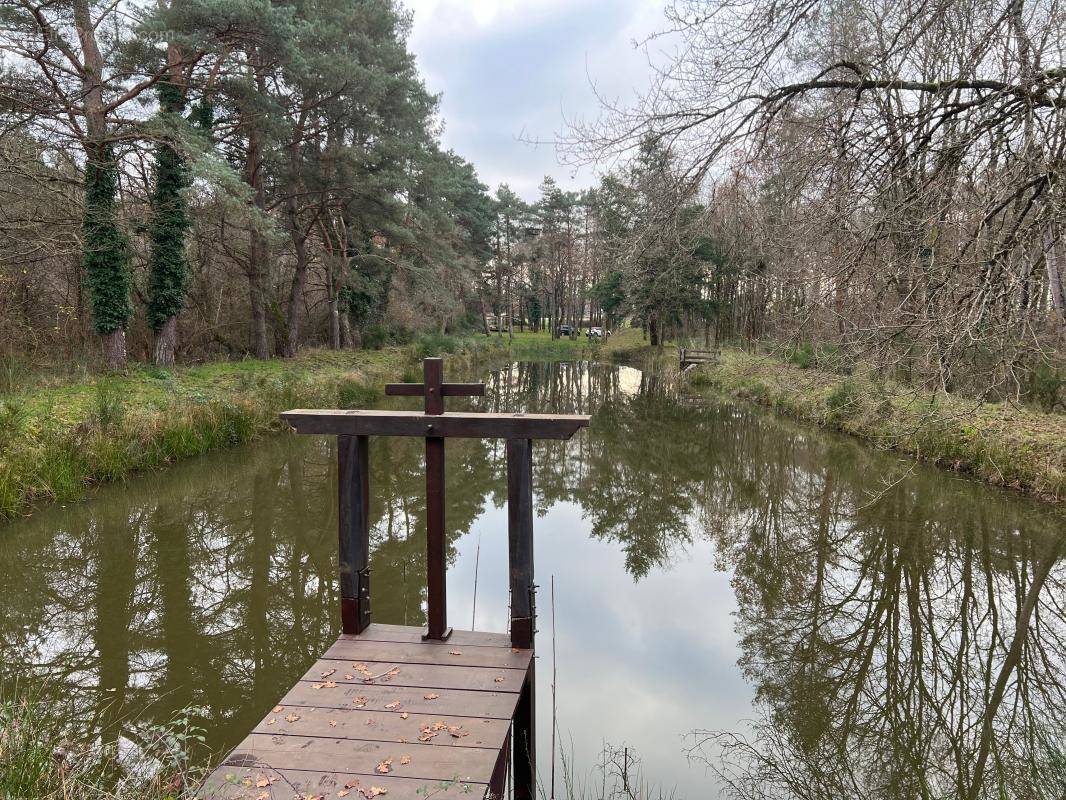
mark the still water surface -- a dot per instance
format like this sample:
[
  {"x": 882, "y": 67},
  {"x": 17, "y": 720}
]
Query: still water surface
[{"x": 731, "y": 590}]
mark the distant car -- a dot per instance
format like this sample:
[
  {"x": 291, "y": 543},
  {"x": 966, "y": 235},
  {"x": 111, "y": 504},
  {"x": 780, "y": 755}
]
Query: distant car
[
  {"x": 598, "y": 333},
  {"x": 566, "y": 330}
]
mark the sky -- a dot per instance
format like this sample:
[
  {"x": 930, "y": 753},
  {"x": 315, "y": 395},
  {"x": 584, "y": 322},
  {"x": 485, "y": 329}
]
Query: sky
[{"x": 513, "y": 70}]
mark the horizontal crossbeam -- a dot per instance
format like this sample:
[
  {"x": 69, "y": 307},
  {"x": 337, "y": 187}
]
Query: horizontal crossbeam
[
  {"x": 446, "y": 389},
  {"x": 415, "y": 423}
]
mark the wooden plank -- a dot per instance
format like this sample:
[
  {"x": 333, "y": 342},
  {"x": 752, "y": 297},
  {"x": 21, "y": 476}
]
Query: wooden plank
[
  {"x": 384, "y": 726},
  {"x": 382, "y": 632},
  {"x": 436, "y": 547},
  {"x": 290, "y": 783},
  {"x": 424, "y": 676},
  {"x": 451, "y": 702},
  {"x": 416, "y": 423},
  {"x": 446, "y": 390},
  {"x": 353, "y": 518},
  {"x": 361, "y": 757},
  {"x": 450, "y": 653}
]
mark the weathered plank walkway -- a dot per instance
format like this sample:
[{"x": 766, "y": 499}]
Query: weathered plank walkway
[
  {"x": 385, "y": 710},
  {"x": 400, "y": 711}
]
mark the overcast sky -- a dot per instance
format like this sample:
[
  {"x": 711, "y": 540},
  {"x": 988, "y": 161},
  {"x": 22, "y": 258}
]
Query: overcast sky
[{"x": 510, "y": 69}]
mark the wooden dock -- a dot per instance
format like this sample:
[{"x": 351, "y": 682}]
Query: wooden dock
[
  {"x": 385, "y": 710},
  {"x": 398, "y": 711}
]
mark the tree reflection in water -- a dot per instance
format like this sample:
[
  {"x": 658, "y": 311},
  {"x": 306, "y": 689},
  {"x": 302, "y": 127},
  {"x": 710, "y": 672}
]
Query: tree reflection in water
[{"x": 903, "y": 630}]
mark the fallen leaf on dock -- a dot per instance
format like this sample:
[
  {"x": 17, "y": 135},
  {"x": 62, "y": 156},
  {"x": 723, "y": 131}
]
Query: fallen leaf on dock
[
  {"x": 292, "y": 718},
  {"x": 498, "y": 680},
  {"x": 455, "y": 653},
  {"x": 333, "y": 723},
  {"x": 374, "y": 791},
  {"x": 404, "y": 715},
  {"x": 405, "y": 760},
  {"x": 271, "y": 721},
  {"x": 359, "y": 700},
  {"x": 393, "y": 705},
  {"x": 278, "y": 709},
  {"x": 431, "y": 696},
  {"x": 328, "y": 672},
  {"x": 385, "y": 767}
]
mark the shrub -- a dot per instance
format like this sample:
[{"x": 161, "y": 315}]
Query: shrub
[
  {"x": 802, "y": 356},
  {"x": 841, "y": 402},
  {"x": 1046, "y": 386}
]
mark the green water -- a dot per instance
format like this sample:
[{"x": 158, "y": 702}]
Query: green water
[{"x": 738, "y": 599}]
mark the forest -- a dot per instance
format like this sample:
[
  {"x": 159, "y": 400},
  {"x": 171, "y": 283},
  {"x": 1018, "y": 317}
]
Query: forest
[{"x": 831, "y": 181}]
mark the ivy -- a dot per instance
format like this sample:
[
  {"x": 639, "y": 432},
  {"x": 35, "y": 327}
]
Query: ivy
[
  {"x": 105, "y": 256},
  {"x": 168, "y": 267}
]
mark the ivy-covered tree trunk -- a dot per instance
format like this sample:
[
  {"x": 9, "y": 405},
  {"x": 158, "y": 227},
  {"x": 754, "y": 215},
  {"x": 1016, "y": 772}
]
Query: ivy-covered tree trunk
[
  {"x": 168, "y": 267},
  {"x": 105, "y": 255},
  {"x": 105, "y": 249}
]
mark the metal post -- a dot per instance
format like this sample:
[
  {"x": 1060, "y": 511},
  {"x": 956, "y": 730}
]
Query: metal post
[{"x": 353, "y": 497}]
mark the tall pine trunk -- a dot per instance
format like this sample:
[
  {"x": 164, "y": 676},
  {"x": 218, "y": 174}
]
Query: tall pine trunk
[{"x": 257, "y": 247}]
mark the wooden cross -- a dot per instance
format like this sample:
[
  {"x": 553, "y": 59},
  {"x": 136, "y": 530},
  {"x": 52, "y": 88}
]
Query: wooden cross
[
  {"x": 353, "y": 428},
  {"x": 434, "y": 390}
]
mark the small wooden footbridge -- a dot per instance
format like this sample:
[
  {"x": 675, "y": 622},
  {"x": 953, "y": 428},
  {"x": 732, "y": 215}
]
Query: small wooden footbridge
[
  {"x": 691, "y": 357},
  {"x": 398, "y": 711}
]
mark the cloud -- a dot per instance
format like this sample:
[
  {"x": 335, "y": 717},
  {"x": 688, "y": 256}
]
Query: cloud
[{"x": 509, "y": 71}]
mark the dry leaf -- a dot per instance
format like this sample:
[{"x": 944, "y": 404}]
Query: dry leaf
[
  {"x": 498, "y": 680},
  {"x": 292, "y": 718},
  {"x": 404, "y": 715},
  {"x": 374, "y": 791},
  {"x": 261, "y": 783},
  {"x": 263, "y": 796},
  {"x": 278, "y": 709},
  {"x": 455, "y": 652},
  {"x": 385, "y": 767},
  {"x": 333, "y": 723},
  {"x": 328, "y": 672},
  {"x": 272, "y": 720},
  {"x": 431, "y": 696},
  {"x": 342, "y": 793},
  {"x": 405, "y": 760},
  {"x": 393, "y": 705},
  {"x": 333, "y": 684}
]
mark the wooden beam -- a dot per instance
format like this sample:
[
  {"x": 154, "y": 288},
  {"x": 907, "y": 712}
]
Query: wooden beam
[
  {"x": 447, "y": 389},
  {"x": 416, "y": 423},
  {"x": 520, "y": 540},
  {"x": 353, "y": 495}
]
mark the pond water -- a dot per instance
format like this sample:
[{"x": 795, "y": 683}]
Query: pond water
[{"x": 739, "y": 601}]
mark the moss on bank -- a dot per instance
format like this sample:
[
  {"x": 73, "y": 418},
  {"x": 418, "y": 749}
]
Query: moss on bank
[{"x": 999, "y": 443}]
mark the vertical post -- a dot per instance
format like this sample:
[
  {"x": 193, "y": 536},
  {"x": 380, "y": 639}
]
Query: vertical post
[
  {"x": 523, "y": 610},
  {"x": 436, "y": 563},
  {"x": 353, "y": 490}
]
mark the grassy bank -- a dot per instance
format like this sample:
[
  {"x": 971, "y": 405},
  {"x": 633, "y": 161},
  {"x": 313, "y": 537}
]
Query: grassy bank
[
  {"x": 59, "y": 438},
  {"x": 60, "y": 435},
  {"x": 999, "y": 443}
]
